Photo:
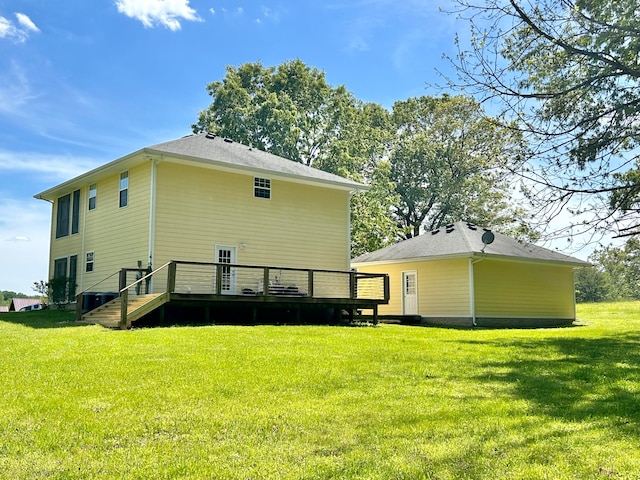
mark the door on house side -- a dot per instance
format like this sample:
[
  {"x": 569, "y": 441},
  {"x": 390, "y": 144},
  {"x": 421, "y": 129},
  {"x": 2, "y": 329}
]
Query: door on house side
[
  {"x": 227, "y": 254},
  {"x": 410, "y": 293}
]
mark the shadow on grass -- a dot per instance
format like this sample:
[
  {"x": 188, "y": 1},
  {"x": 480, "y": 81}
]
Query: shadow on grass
[
  {"x": 576, "y": 379},
  {"x": 42, "y": 319}
]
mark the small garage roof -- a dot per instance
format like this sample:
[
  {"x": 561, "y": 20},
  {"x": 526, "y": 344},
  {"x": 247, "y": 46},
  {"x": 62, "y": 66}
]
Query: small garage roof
[{"x": 464, "y": 239}]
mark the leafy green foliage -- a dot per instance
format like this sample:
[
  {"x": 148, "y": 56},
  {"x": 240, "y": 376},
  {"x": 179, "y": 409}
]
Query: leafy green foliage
[
  {"x": 566, "y": 73},
  {"x": 449, "y": 162},
  {"x": 273, "y": 402},
  {"x": 431, "y": 161},
  {"x": 619, "y": 270}
]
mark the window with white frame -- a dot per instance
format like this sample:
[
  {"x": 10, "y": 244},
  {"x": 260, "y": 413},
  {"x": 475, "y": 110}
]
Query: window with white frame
[
  {"x": 124, "y": 189},
  {"x": 89, "y": 262},
  {"x": 261, "y": 187},
  {"x": 93, "y": 195}
]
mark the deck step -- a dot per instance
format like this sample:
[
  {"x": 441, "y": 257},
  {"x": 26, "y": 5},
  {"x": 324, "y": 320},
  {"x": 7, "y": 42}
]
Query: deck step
[{"x": 108, "y": 315}]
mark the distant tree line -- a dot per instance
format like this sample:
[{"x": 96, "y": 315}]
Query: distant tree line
[
  {"x": 7, "y": 295},
  {"x": 615, "y": 274}
]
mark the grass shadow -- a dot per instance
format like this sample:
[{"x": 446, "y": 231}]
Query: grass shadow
[
  {"x": 42, "y": 319},
  {"x": 576, "y": 379}
]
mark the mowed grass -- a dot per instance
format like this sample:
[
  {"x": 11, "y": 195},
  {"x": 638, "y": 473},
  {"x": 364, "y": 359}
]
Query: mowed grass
[{"x": 289, "y": 402}]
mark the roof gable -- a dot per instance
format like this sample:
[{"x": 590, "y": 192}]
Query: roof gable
[
  {"x": 464, "y": 239},
  {"x": 18, "y": 304}
]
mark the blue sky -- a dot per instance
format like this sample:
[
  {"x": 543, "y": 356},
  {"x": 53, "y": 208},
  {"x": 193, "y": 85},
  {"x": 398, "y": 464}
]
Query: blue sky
[{"x": 83, "y": 83}]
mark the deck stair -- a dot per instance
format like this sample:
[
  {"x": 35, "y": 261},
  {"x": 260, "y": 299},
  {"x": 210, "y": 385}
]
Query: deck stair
[{"x": 108, "y": 315}]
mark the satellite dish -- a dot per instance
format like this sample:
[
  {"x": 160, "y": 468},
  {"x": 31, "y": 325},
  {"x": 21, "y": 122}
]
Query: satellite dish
[{"x": 487, "y": 238}]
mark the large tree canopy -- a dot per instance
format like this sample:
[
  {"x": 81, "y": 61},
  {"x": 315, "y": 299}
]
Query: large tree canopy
[
  {"x": 449, "y": 163},
  {"x": 567, "y": 72},
  {"x": 289, "y": 111},
  {"x": 428, "y": 162}
]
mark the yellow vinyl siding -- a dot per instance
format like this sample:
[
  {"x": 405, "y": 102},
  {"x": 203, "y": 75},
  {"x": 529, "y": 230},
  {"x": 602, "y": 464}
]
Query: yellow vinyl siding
[
  {"x": 299, "y": 226},
  {"x": 516, "y": 289},
  {"x": 443, "y": 286},
  {"x": 119, "y": 237}
]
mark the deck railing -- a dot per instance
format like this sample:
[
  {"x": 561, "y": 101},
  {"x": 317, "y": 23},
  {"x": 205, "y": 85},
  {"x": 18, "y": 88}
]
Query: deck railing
[
  {"x": 232, "y": 279},
  {"x": 215, "y": 279}
]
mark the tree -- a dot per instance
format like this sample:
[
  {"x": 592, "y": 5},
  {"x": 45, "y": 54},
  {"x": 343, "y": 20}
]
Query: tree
[
  {"x": 449, "y": 163},
  {"x": 591, "y": 285},
  {"x": 566, "y": 75},
  {"x": 620, "y": 267},
  {"x": 291, "y": 111}
]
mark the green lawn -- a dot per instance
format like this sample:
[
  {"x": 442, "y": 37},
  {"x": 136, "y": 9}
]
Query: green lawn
[{"x": 387, "y": 402}]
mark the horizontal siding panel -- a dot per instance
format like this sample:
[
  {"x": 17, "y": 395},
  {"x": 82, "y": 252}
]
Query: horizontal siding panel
[
  {"x": 443, "y": 286},
  {"x": 523, "y": 290},
  {"x": 300, "y": 226}
]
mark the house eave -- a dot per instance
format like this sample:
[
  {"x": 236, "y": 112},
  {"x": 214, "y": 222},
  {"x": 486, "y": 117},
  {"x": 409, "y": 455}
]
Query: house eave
[
  {"x": 111, "y": 168},
  {"x": 145, "y": 154},
  {"x": 347, "y": 185},
  {"x": 475, "y": 256}
]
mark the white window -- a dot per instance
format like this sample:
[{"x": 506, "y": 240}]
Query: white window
[
  {"x": 124, "y": 189},
  {"x": 93, "y": 194},
  {"x": 89, "y": 263},
  {"x": 261, "y": 187}
]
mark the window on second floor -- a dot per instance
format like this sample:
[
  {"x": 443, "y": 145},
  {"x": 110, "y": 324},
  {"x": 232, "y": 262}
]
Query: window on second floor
[
  {"x": 124, "y": 189},
  {"x": 261, "y": 187},
  {"x": 93, "y": 195},
  {"x": 68, "y": 214}
]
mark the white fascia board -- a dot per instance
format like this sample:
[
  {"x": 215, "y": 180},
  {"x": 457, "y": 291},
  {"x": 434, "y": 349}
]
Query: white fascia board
[{"x": 111, "y": 168}]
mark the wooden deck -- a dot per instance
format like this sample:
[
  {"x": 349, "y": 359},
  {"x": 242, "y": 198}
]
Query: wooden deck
[{"x": 237, "y": 287}]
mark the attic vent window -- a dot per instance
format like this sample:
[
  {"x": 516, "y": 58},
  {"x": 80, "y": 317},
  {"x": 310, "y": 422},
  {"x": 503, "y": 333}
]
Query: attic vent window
[
  {"x": 435, "y": 232},
  {"x": 261, "y": 187},
  {"x": 210, "y": 136},
  {"x": 228, "y": 140}
]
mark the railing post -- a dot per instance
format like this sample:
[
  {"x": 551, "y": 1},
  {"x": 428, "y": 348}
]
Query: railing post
[
  {"x": 353, "y": 289},
  {"x": 310, "y": 287},
  {"x": 265, "y": 281},
  {"x": 123, "y": 279},
  {"x": 171, "y": 277},
  {"x": 386, "y": 288},
  {"x": 124, "y": 300},
  {"x": 218, "y": 282}
]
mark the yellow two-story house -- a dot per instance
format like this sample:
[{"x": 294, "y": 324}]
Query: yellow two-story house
[{"x": 200, "y": 198}]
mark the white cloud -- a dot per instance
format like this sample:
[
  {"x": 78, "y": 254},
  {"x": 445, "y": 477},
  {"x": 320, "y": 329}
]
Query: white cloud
[
  {"x": 20, "y": 32},
  {"x": 26, "y": 22},
  {"x": 167, "y": 13},
  {"x": 50, "y": 167}
]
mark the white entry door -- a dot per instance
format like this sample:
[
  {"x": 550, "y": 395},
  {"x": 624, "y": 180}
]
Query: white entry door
[
  {"x": 409, "y": 293},
  {"x": 227, "y": 254}
]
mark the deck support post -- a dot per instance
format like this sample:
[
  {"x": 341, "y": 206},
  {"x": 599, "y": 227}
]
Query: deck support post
[
  {"x": 124, "y": 300},
  {"x": 218, "y": 282},
  {"x": 171, "y": 277},
  {"x": 375, "y": 314}
]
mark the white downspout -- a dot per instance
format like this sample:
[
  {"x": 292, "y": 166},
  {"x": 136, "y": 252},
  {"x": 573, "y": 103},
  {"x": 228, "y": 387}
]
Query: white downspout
[
  {"x": 472, "y": 293},
  {"x": 472, "y": 289},
  {"x": 152, "y": 215}
]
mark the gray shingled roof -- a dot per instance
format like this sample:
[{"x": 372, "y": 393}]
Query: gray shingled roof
[
  {"x": 209, "y": 150},
  {"x": 223, "y": 151},
  {"x": 463, "y": 239}
]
